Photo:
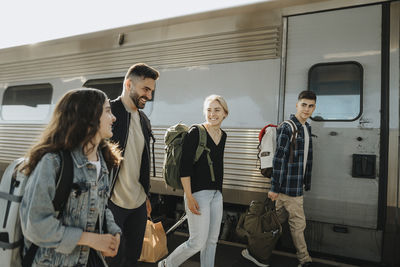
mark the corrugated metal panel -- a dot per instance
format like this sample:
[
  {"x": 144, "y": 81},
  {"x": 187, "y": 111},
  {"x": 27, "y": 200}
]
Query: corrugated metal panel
[
  {"x": 16, "y": 139},
  {"x": 241, "y": 172},
  {"x": 256, "y": 44}
]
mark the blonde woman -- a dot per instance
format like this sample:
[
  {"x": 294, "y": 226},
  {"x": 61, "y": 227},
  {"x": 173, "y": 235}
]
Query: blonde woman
[{"x": 202, "y": 195}]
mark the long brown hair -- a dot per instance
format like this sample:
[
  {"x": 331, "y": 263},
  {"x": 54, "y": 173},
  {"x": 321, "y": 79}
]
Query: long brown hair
[{"x": 75, "y": 122}]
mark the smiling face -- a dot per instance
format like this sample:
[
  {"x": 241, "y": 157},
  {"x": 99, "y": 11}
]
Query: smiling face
[
  {"x": 106, "y": 121},
  {"x": 140, "y": 90},
  {"x": 214, "y": 113},
  {"x": 305, "y": 108}
]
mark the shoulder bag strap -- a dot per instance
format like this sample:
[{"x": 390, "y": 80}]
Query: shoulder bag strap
[
  {"x": 293, "y": 143},
  {"x": 150, "y": 132},
  {"x": 202, "y": 146},
  {"x": 202, "y": 141},
  {"x": 152, "y": 151},
  {"x": 64, "y": 183}
]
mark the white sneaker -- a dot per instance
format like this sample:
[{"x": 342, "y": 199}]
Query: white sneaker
[
  {"x": 162, "y": 263},
  {"x": 246, "y": 255}
]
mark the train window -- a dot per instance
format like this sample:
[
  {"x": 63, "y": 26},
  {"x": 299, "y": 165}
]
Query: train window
[
  {"x": 113, "y": 88},
  {"x": 27, "y": 102},
  {"x": 338, "y": 87}
]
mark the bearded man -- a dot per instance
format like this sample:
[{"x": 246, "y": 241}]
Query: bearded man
[{"x": 129, "y": 199}]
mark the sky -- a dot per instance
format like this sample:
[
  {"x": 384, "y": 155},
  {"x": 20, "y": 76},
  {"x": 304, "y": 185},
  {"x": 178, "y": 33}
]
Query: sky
[{"x": 32, "y": 21}]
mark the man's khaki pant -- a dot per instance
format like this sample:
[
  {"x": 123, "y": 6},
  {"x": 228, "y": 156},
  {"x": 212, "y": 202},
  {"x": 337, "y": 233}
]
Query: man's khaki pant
[{"x": 291, "y": 208}]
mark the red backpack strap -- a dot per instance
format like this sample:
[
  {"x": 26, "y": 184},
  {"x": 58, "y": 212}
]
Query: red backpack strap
[{"x": 262, "y": 132}]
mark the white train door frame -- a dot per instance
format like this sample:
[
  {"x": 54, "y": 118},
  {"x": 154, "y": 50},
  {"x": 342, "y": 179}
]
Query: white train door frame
[{"x": 338, "y": 54}]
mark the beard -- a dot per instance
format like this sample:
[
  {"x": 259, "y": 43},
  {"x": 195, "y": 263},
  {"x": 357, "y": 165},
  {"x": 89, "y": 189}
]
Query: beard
[{"x": 136, "y": 99}]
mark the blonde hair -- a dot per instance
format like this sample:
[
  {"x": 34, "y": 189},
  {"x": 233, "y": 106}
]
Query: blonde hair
[{"x": 217, "y": 98}]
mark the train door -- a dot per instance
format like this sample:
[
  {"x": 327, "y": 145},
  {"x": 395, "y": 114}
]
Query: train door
[{"x": 337, "y": 54}]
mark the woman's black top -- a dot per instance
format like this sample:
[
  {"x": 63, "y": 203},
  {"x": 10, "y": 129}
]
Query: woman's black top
[{"x": 199, "y": 172}]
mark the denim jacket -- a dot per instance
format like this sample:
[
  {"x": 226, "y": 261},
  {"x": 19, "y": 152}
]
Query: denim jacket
[
  {"x": 288, "y": 178},
  {"x": 86, "y": 205}
]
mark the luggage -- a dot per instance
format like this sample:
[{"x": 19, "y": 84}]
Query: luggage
[
  {"x": 174, "y": 138},
  {"x": 267, "y": 146},
  {"x": 12, "y": 187},
  {"x": 177, "y": 224},
  {"x": 259, "y": 227},
  {"x": 154, "y": 243},
  {"x": 11, "y": 191}
]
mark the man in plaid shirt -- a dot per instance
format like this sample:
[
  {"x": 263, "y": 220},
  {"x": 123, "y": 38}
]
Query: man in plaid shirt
[{"x": 290, "y": 178}]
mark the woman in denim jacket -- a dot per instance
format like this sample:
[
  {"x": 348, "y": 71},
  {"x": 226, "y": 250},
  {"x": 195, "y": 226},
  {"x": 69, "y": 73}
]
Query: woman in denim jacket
[{"x": 81, "y": 123}]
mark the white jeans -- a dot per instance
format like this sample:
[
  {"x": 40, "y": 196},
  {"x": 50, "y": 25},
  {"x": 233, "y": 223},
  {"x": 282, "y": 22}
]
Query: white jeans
[{"x": 203, "y": 230}]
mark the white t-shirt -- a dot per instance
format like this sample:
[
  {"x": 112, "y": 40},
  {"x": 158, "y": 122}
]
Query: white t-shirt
[
  {"x": 128, "y": 191},
  {"x": 98, "y": 167}
]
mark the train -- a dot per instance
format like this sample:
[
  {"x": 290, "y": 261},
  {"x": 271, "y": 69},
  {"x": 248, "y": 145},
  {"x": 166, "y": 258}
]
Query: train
[{"x": 258, "y": 57}]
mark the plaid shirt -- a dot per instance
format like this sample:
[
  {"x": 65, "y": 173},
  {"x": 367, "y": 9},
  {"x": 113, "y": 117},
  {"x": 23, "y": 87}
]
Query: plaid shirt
[{"x": 288, "y": 178}]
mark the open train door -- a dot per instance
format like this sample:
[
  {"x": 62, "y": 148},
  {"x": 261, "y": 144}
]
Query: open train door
[{"x": 337, "y": 54}]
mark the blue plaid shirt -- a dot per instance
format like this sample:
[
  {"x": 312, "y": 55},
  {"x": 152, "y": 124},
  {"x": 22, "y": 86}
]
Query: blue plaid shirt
[{"x": 288, "y": 178}]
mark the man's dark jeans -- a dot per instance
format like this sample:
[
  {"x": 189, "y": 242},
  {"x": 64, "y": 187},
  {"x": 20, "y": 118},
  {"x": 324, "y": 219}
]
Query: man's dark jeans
[{"x": 133, "y": 225}]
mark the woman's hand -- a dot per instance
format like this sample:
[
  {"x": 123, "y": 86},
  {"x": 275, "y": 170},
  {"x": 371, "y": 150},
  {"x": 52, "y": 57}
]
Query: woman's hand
[
  {"x": 105, "y": 243},
  {"x": 114, "y": 253},
  {"x": 192, "y": 204},
  {"x": 191, "y": 201}
]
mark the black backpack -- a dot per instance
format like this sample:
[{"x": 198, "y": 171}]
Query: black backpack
[{"x": 11, "y": 192}]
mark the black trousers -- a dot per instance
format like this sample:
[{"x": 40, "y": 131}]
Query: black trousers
[
  {"x": 133, "y": 225},
  {"x": 94, "y": 260}
]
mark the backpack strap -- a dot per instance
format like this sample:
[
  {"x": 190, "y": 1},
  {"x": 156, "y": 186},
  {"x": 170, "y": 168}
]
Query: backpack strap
[
  {"x": 63, "y": 189},
  {"x": 150, "y": 131},
  {"x": 64, "y": 183},
  {"x": 152, "y": 150},
  {"x": 293, "y": 143},
  {"x": 202, "y": 146},
  {"x": 202, "y": 141}
]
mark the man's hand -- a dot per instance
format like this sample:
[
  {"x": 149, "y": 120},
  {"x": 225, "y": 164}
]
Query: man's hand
[
  {"x": 148, "y": 207},
  {"x": 272, "y": 195}
]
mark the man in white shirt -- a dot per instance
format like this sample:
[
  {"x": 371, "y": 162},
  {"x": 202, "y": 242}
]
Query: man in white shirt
[{"x": 129, "y": 200}]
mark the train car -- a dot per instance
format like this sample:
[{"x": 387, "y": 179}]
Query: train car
[{"x": 259, "y": 57}]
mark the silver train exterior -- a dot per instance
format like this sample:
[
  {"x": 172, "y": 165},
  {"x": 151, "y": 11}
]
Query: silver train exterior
[{"x": 258, "y": 57}]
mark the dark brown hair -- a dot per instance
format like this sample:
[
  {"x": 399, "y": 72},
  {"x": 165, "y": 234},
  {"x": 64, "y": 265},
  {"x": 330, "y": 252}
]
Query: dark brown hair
[
  {"x": 75, "y": 122},
  {"x": 307, "y": 95},
  {"x": 143, "y": 71}
]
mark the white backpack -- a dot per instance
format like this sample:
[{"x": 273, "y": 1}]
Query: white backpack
[
  {"x": 12, "y": 188},
  {"x": 267, "y": 146}
]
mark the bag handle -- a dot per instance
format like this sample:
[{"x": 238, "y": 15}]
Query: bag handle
[{"x": 270, "y": 205}]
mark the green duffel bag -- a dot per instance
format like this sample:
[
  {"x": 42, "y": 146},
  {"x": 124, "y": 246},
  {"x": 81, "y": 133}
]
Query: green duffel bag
[{"x": 259, "y": 227}]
